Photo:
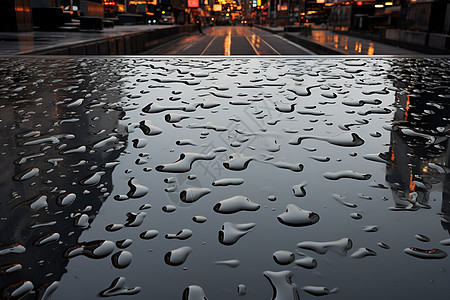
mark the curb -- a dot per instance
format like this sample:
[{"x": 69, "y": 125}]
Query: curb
[
  {"x": 310, "y": 45},
  {"x": 123, "y": 44}
]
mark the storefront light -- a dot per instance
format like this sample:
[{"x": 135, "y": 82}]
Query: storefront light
[{"x": 379, "y": 5}]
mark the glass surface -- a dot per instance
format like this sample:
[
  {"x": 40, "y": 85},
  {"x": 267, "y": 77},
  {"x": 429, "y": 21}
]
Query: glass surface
[{"x": 224, "y": 178}]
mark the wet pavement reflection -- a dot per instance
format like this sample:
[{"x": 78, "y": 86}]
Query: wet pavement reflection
[
  {"x": 219, "y": 178},
  {"x": 354, "y": 45}
]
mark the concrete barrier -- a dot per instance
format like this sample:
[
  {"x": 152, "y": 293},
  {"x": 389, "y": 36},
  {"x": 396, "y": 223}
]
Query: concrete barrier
[
  {"x": 410, "y": 37},
  {"x": 439, "y": 41}
]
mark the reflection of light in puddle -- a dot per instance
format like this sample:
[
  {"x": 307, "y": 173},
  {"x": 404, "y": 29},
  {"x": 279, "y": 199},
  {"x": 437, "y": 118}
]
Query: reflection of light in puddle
[{"x": 371, "y": 50}]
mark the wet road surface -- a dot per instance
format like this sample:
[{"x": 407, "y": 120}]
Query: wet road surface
[
  {"x": 357, "y": 46},
  {"x": 231, "y": 40}
]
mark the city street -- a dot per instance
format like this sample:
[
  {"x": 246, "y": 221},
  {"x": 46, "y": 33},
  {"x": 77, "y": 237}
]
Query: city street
[{"x": 231, "y": 40}]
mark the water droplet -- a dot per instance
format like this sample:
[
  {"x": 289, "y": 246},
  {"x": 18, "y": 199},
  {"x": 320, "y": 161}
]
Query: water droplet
[
  {"x": 344, "y": 140},
  {"x": 135, "y": 219},
  {"x": 341, "y": 199},
  {"x": 145, "y": 206},
  {"x": 17, "y": 290},
  {"x": 369, "y": 111},
  {"x": 193, "y": 292},
  {"x": 149, "y": 234},
  {"x": 299, "y": 189},
  {"x": 38, "y": 203},
  {"x": 93, "y": 179},
  {"x": 185, "y": 142},
  {"x": 306, "y": 262},
  {"x": 272, "y": 198},
  {"x": 199, "y": 219},
  {"x": 27, "y": 174},
  {"x": 295, "y": 167},
  {"x": 47, "y": 238},
  {"x": 228, "y": 181},
  {"x": 321, "y": 158},
  {"x": 361, "y": 102},
  {"x": 316, "y": 290},
  {"x": 356, "y": 216},
  {"x": 118, "y": 287},
  {"x": 370, "y": 228},
  {"x": 125, "y": 243},
  {"x": 363, "y": 252},
  {"x": 346, "y": 174},
  {"x": 139, "y": 143},
  {"x": 177, "y": 256},
  {"x": 242, "y": 290},
  {"x": 297, "y": 217},
  {"x": 169, "y": 208},
  {"x": 183, "y": 234},
  {"x": 174, "y": 117},
  {"x": 301, "y": 91},
  {"x": 114, "y": 227},
  {"x": 422, "y": 238},
  {"x": 149, "y": 129},
  {"x": 12, "y": 248},
  {"x": 375, "y": 134},
  {"x": 282, "y": 286},
  {"x": 191, "y": 195},
  {"x": 104, "y": 142},
  {"x": 136, "y": 190},
  {"x": 383, "y": 245},
  {"x": 9, "y": 269},
  {"x": 95, "y": 249},
  {"x": 426, "y": 254},
  {"x": 184, "y": 163},
  {"x": 235, "y": 204},
  {"x": 237, "y": 162},
  {"x": 232, "y": 263},
  {"x": 82, "y": 221},
  {"x": 232, "y": 232},
  {"x": 340, "y": 246},
  {"x": 66, "y": 199},
  {"x": 283, "y": 257},
  {"x": 445, "y": 242}
]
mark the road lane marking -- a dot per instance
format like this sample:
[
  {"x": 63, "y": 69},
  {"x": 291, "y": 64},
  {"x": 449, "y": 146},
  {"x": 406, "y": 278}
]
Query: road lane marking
[
  {"x": 251, "y": 44},
  {"x": 227, "y": 43},
  {"x": 209, "y": 44},
  {"x": 272, "y": 48}
]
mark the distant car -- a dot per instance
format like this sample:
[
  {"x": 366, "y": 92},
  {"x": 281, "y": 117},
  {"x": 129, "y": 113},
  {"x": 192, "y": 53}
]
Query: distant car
[{"x": 167, "y": 19}]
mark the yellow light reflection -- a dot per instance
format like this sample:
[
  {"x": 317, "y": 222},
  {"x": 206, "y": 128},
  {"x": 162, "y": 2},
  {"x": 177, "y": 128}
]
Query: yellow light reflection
[
  {"x": 371, "y": 50},
  {"x": 227, "y": 43}
]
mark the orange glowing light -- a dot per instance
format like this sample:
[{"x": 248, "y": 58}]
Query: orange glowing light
[
  {"x": 359, "y": 3},
  {"x": 412, "y": 185}
]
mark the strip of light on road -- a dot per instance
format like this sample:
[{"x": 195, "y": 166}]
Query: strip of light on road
[
  {"x": 251, "y": 44},
  {"x": 271, "y": 48},
  {"x": 209, "y": 44},
  {"x": 227, "y": 43}
]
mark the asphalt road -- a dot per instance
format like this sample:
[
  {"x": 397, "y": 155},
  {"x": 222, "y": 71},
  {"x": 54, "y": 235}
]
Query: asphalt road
[{"x": 230, "y": 40}]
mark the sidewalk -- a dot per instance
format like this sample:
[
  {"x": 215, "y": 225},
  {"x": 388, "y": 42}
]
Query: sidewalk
[
  {"x": 130, "y": 39},
  {"x": 329, "y": 42}
]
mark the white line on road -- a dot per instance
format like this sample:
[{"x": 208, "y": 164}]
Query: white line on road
[
  {"x": 254, "y": 49},
  {"x": 209, "y": 44},
  {"x": 296, "y": 45},
  {"x": 272, "y": 48}
]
